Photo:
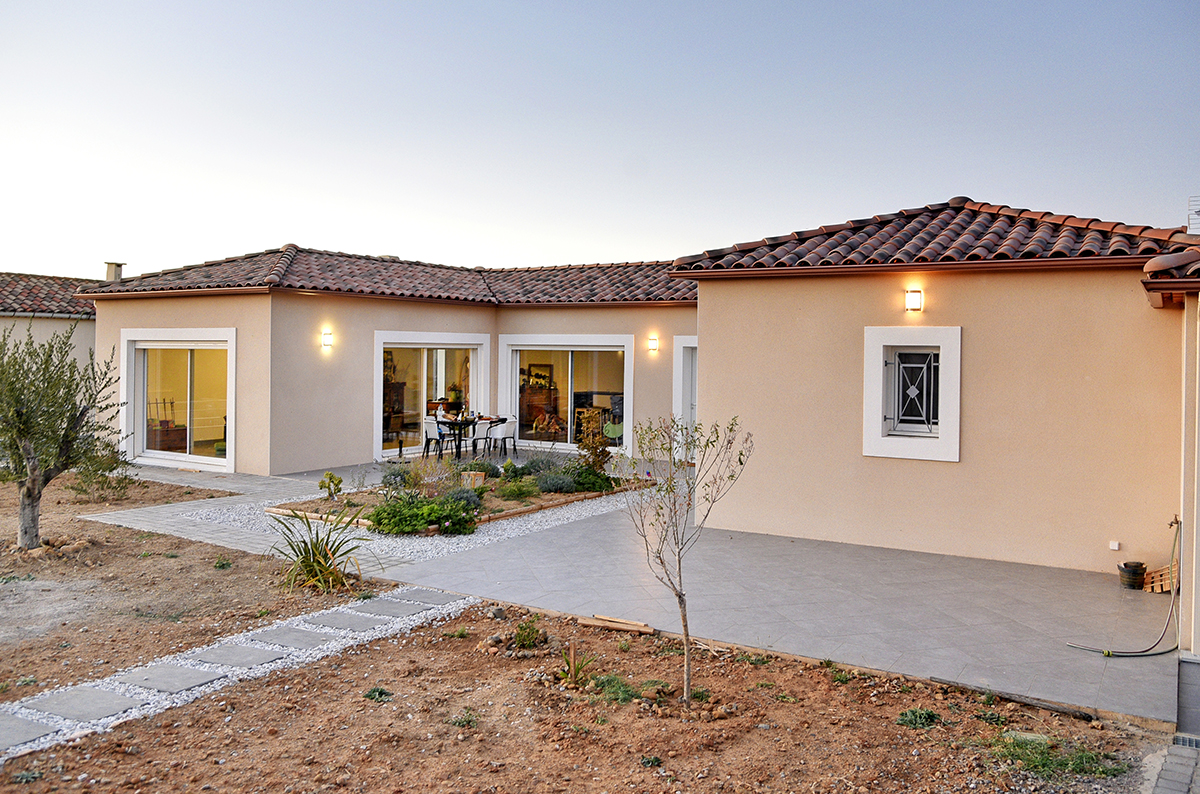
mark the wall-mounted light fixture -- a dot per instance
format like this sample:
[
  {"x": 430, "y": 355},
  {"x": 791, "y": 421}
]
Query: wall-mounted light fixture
[
  {"x": 914, "y": 300},
  {"x": 327, "y": 339},
  {"x": 653, "y": 343}
]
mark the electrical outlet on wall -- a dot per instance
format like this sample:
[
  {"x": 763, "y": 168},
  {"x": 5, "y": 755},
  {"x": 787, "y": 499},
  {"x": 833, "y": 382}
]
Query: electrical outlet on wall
[{"x": 1115, "y": 545}]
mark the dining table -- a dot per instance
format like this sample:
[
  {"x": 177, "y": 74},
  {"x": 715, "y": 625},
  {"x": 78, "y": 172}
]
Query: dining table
[{"x": 456, "y": 427}]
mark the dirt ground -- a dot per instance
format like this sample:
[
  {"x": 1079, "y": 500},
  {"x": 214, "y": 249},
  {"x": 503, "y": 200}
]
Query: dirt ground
[{"x": 466, "y": 712}]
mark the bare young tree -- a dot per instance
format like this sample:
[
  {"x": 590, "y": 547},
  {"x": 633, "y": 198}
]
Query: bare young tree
[
  {"x": 55, "y": 415},
  {"x": 686, "y": 469}
]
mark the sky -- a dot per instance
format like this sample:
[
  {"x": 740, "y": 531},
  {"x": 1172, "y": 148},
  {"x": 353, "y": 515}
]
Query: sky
[{"x": 503, "y": 134}]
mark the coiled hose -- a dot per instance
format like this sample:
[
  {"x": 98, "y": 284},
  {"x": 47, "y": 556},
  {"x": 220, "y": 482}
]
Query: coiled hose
[{"x": 1171, "y": 613}]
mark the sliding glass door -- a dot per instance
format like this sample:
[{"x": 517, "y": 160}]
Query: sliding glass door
[
  {"x": 417, "y": 382},
  {"x": 559, "y": 391},
  {"x": 185, "y": 400}
]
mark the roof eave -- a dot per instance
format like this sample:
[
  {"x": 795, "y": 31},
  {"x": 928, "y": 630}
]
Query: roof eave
[
  {"x": 977, "y": 266},
  {"x": 174, "y": 293},
  {"x": 49, "y": 315}
]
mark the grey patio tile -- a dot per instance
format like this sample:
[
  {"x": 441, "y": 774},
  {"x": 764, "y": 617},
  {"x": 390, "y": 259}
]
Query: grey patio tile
[
  {"x": 237, "y": 655},
  {"x": 84, "y": 703},
  {"x": 17, "y": 730},
  {"x": 168, "y": 677},
  {"x": 944, "y": 663},
  {"x": 385, "y": 607},
  {"x": 290, "y": 637},
  {"x": 344, "y": 620}
]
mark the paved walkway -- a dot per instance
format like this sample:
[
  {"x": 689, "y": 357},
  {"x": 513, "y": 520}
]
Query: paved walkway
[{"x": 996, "y": 626}]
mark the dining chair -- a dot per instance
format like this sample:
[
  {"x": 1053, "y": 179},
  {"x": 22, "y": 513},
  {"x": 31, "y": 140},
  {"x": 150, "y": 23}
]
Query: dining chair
[{"x": 433, "y": 435}]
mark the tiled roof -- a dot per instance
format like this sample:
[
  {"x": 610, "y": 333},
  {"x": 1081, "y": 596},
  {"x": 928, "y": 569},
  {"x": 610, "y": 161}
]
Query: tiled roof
[
  {"x": 26, "y": 295},
  {"x": 958, "y": 231},
  {"x": 628, "y": 282},
  {"x": 292, "y": 267}
]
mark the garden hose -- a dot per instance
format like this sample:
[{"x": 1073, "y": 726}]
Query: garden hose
[{"x": 1171, "y": 613}]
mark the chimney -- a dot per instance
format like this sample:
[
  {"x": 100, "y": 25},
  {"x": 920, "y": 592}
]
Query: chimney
[{"x": 114, "y": 271}]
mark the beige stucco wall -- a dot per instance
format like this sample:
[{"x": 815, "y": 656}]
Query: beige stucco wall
[
  {"x": 301, "y": 407},
  {"x": 1070, "y": 428},
  {"x": 83, "y": 340},
  {"x": 323, "y": 401},
  {"x": 251, "y": 316}
]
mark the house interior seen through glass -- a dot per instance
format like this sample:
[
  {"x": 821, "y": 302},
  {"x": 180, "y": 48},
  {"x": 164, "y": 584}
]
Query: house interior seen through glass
[
  {"x": 560, "y": 390},
  {"x": 185, "y": 400},
  {"x": 417, "y": 382}
]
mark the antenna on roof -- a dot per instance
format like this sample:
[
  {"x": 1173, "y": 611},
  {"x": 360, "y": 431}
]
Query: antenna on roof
[{"x": 1193, "y": 221}]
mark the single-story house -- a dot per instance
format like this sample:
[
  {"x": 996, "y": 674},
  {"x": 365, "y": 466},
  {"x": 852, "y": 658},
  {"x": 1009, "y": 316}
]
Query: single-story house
[
  {"x": 47, "y": 305},
  {"x": 294, "y": 359},
  {"x": 961, "y": 378}
]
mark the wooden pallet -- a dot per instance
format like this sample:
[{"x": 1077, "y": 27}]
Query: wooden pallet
[
  {"x": 1159, "y": 580},
  {"x": 617, "y": 624}
]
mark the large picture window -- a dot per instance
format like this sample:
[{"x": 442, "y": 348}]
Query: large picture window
[{"x": 560, "y": 391}]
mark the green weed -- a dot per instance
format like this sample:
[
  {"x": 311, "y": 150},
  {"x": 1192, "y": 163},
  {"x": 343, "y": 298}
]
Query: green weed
[
  {"x": 623, "y": 646},
  {"x": 701, "y": 695},
  {"x": 782, "y": 698},
  {"x": 26, "y": 681},
  {"x": 575, "y": 672},
  {"x": 828, "y": 664},
  {"x": 765, "y": 685},
  {"x": 755, "y": 659},
  {"x": 378, "y": 694},
  {"x": 262, "y": 613},
  {"x": 170, "y": 555},
  {"x": 14, "y": 578},
  {"x": 918, "y": 718},
  {"x": 27, "y": 776},
  {"x": 460, "y": 634},
  {"x": 649, "y": 761},
  {"x": 1050, "y": 762},
  {"x": 991, "y": 718},
  {"x": 468, "y": 719},
  {"x": 223, "y": 563},
  {"x": 527, "y": 632},
  {"x": 614, "y": 688}
]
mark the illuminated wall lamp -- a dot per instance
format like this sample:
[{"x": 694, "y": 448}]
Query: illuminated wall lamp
[
  {"x": 914, "y": 300},
  {"x": 327, "y": 339},
  {"x": 653, "y": 343}
]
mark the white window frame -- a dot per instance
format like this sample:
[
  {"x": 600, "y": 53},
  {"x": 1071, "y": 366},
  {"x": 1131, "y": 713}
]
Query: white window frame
[
  {"x": 880, "y": 440},
  {"x": 132, "y": 391},
  {"x": 481, "y": 368},
  {"x": 677, "y": 375},
  {"x": 507, "y": 379}
]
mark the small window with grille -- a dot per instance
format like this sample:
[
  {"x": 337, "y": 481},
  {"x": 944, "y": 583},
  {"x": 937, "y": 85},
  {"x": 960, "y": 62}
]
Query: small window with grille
[{"x": 912, "y": 390}]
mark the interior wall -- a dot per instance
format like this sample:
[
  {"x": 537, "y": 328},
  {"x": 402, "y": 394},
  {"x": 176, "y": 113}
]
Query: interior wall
[{"x": 1070, "y": 414}]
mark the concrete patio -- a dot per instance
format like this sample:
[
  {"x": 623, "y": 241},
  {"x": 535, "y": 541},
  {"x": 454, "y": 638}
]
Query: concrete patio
[{"x": 994, "y": 625}]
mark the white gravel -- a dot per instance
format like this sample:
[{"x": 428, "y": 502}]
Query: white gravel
[{"x": 419, "y": 548}]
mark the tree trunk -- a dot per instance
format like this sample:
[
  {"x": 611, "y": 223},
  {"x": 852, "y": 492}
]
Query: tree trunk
[
  {"x": 687, "y": 650},
  {"x": 30, "y": 511}
]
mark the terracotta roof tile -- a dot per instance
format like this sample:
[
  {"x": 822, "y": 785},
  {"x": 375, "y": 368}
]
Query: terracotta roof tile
[
  {"x": 26, "y": 295},
  {"x": 292, "y": 267},
  {"x": 959, "y": 230}
]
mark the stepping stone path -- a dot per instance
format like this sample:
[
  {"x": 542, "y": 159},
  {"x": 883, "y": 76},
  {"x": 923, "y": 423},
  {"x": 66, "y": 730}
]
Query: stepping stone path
[{"x": 51, "y": 718}]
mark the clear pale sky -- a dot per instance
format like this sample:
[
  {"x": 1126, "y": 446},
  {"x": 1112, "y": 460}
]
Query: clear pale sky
[{"x": 504, "y": 134}]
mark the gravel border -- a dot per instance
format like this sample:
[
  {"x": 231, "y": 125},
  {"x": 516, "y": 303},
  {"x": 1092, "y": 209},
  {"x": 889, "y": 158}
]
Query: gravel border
[
  {"x": 158, "y": 702},
  {"x": 418, "y": 548}
]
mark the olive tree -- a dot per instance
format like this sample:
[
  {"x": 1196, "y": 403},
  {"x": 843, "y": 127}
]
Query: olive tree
[
  {"x": 55, "y": 414},
  {"x": 685, "y": 470}
]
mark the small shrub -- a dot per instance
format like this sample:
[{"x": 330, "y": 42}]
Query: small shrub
[
  {"x": 332, "y": 485},
  {"x": 517, "y": 490},
  {"x": 412, "y": 513},
  {"x": 27, "y": 776},
  {"x": 460, "y": 634},
  {"x": 378, "y": 694},
  {"x": 510, "y": 470},
  {"x": 588, "y": 480},
  {"x": 918, "y": 719},
  {"x": 623, "y": 646},
  {"x": 317, "y": 556},
  {"x": 468, "y": 719},
  {"x": 27, "y": 680},
  {"x": 429, "y": 477},
  {"x": 223, "y": 563},
  {"x": 594, "y": 452},
  {"x": 841, "y": 677},
  {"x": 991, "y": 718},
  {"x": 488, "y": 468},
  {"x": 649, "y": 761},
  {"x": 701, "y": 695},
  {"x": 527, "y": 632},
  {"x": 536, "y": 464},
  {"x": 467, "y": 496},
  {"x": 555, "y": 482}
]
